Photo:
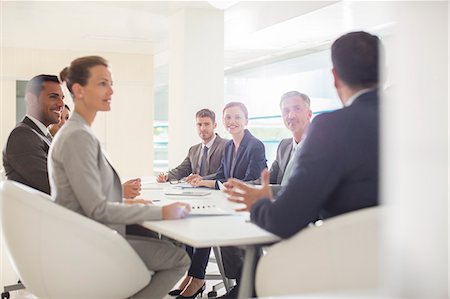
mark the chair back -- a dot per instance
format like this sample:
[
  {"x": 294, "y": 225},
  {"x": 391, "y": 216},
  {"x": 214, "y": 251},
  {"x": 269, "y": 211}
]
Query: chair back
[
  {"x": 58, "y": 253},
  {"x": 342, "y": 254}
]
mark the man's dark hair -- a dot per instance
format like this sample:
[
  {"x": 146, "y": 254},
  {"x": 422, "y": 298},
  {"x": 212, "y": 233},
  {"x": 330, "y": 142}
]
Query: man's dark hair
[
  {"x": 206, "y": 113},
  {"x": 35, "y": 85},
  {"x": 355, "y": 57}
]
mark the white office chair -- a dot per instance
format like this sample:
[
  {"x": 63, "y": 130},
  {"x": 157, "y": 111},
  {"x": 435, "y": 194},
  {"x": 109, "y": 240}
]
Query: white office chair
[
  {"x": 340, "y": 255},
  {"x": 58, "y": 253}
]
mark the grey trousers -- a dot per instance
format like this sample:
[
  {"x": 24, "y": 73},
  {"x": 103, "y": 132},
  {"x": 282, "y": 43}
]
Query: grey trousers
[{"x": 169, "y": 263}]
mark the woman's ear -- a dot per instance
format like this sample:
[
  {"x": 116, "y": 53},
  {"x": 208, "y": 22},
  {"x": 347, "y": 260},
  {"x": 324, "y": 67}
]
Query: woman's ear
[{"x": 78, "y": 90}]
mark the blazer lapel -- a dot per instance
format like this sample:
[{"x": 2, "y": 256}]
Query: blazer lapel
[
  {"x": 194, "y": 165},
  {"x": 213, "y": 146},
  {"x": 285, "y": 158},
  {"x": 36, "y": 130}
]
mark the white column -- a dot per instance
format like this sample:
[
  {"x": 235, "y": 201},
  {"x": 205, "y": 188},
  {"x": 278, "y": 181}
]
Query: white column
[
  {"x": 196, "y": 59},
  {"x": 415, "y": 136}
]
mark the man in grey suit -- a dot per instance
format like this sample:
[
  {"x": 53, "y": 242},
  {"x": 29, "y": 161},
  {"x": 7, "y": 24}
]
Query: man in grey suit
[
  {"x": 197, "y": 163},
  {"x": 296, "y": 113},
  {"x": 26, "y": 150}
]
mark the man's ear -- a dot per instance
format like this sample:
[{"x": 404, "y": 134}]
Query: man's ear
[
  {"x": 215, "y": 125},
  {"x": 31, "y": 98},
  {"x": 337, "y": 79}
]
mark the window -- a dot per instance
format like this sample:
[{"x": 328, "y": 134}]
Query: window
[{"x": 260, "y": 88}]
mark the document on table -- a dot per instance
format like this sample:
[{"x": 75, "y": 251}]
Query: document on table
[
  {"x": 186, "y": 192},
  {"x": 210, "y": 210}
]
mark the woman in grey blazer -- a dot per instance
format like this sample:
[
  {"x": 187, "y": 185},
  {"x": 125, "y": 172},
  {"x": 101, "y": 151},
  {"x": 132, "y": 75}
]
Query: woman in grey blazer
[{"x": 83, "y": 180}]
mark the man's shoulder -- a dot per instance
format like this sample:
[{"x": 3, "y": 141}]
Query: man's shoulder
[
  {"x": 219, "y": 141},
  {"x": 24, "y": 139},
  {"x": 23, "y": 132},
  {"x": 286, "y": 141}
]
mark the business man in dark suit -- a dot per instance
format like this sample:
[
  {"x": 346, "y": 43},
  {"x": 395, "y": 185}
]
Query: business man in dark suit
[
  {"x": 196, "y": 164},
  {"x": 26, "y": 150},
  {"x": 337, "y": 167}
]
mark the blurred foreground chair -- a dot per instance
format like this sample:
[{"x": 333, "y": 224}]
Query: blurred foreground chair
[
  {"x": 58, "y": 253},
  {"x": 341, "y": 254}
]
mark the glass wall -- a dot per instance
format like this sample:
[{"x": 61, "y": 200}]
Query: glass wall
[{"x": 260, "y": 89}]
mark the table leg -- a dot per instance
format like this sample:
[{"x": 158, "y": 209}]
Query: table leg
[
  {"x": 247, "y": 282},
  {"x": 218, "y": 256}
]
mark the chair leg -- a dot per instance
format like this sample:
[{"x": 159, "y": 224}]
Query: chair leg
[{"x": 10, "y": 288}]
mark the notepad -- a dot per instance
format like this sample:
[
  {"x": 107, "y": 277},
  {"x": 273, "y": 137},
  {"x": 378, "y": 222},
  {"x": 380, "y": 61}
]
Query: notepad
[{"x": 187, "y": 192}]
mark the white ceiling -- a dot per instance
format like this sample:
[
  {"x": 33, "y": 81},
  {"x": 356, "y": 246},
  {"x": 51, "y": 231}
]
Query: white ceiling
[{"x": 255, "y": 31}]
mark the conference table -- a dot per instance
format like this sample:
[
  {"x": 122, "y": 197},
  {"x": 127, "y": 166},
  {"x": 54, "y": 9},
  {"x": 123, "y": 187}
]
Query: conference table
[{"x": 213, "y": 222}]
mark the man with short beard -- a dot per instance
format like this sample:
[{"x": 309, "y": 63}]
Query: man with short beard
[{"x": 26, "y": 150}]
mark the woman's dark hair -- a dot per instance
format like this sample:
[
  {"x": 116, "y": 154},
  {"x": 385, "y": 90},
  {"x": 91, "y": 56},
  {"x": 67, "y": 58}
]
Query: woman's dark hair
[
  {"x": 236, "y": 104},
  {"x": 79, "y": 70}
]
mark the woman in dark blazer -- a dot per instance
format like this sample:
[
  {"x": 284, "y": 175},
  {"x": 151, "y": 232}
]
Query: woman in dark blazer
[{"x": 244, "y": 155}]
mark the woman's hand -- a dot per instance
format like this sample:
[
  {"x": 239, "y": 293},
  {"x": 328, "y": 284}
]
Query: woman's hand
[
  {"x": 131, "y": 201},
  {"x": 132, "y": 188},
  {"x": 176, "y": 210}
]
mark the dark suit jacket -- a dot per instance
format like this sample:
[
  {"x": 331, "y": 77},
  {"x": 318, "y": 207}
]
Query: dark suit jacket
[
  {"x": 337, "y": 170},
  {"x": 25, "y": 156},
  {"x": 190, "y": 163},
  {"x": 249, "y": 162}
]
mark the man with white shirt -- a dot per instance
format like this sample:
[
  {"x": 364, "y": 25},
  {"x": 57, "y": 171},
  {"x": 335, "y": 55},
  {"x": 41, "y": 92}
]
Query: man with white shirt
[
  {"x": 197, "y": 163},
  {"x": 296, "y": 112},
  {"x": 25, "y": 152},
  {"x": 203, "y": 160}
]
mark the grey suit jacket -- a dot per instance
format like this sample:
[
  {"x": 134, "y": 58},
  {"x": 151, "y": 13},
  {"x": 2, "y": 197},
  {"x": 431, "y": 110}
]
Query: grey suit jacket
[
  {"x": 279, "y": 165},
  {"x": 190, "y": 163},
  {"x": 82, "y": 179},
  {"x": 25, "y": 156}
]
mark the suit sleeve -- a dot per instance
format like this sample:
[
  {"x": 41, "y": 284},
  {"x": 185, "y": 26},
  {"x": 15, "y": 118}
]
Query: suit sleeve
[
  {"x": 257, "y": 161},
  {"x": 182, "y": 170},
  {"x": 82, "y": 170},
  {"x": 27, "y": 154},
  {"x": 319, "y": 168}
]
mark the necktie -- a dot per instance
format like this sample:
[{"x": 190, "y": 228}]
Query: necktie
[
  {"x": 49, "y": 137},
  {"x": 203, "y": 163},
  {"x": 289, "y": 168}
]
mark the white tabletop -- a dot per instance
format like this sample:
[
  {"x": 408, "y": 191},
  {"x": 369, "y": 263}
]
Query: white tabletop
[{"x": 206, "y": 231}]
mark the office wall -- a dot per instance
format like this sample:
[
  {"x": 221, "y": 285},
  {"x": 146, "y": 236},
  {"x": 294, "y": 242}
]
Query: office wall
[
  {"x": 414, "y": 151},
  {"x": 126, "y": 132}
]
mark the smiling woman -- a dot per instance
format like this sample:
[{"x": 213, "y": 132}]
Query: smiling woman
[{"x": 84, "y": 181}]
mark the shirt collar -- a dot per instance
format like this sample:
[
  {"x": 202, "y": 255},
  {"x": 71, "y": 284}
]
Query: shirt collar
[
  {"x": 356, "y": 95},
  {"x": 295, "y": 144},
  {"x": 210, "y": 143},
  {"x": 40, "y": 125}
]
